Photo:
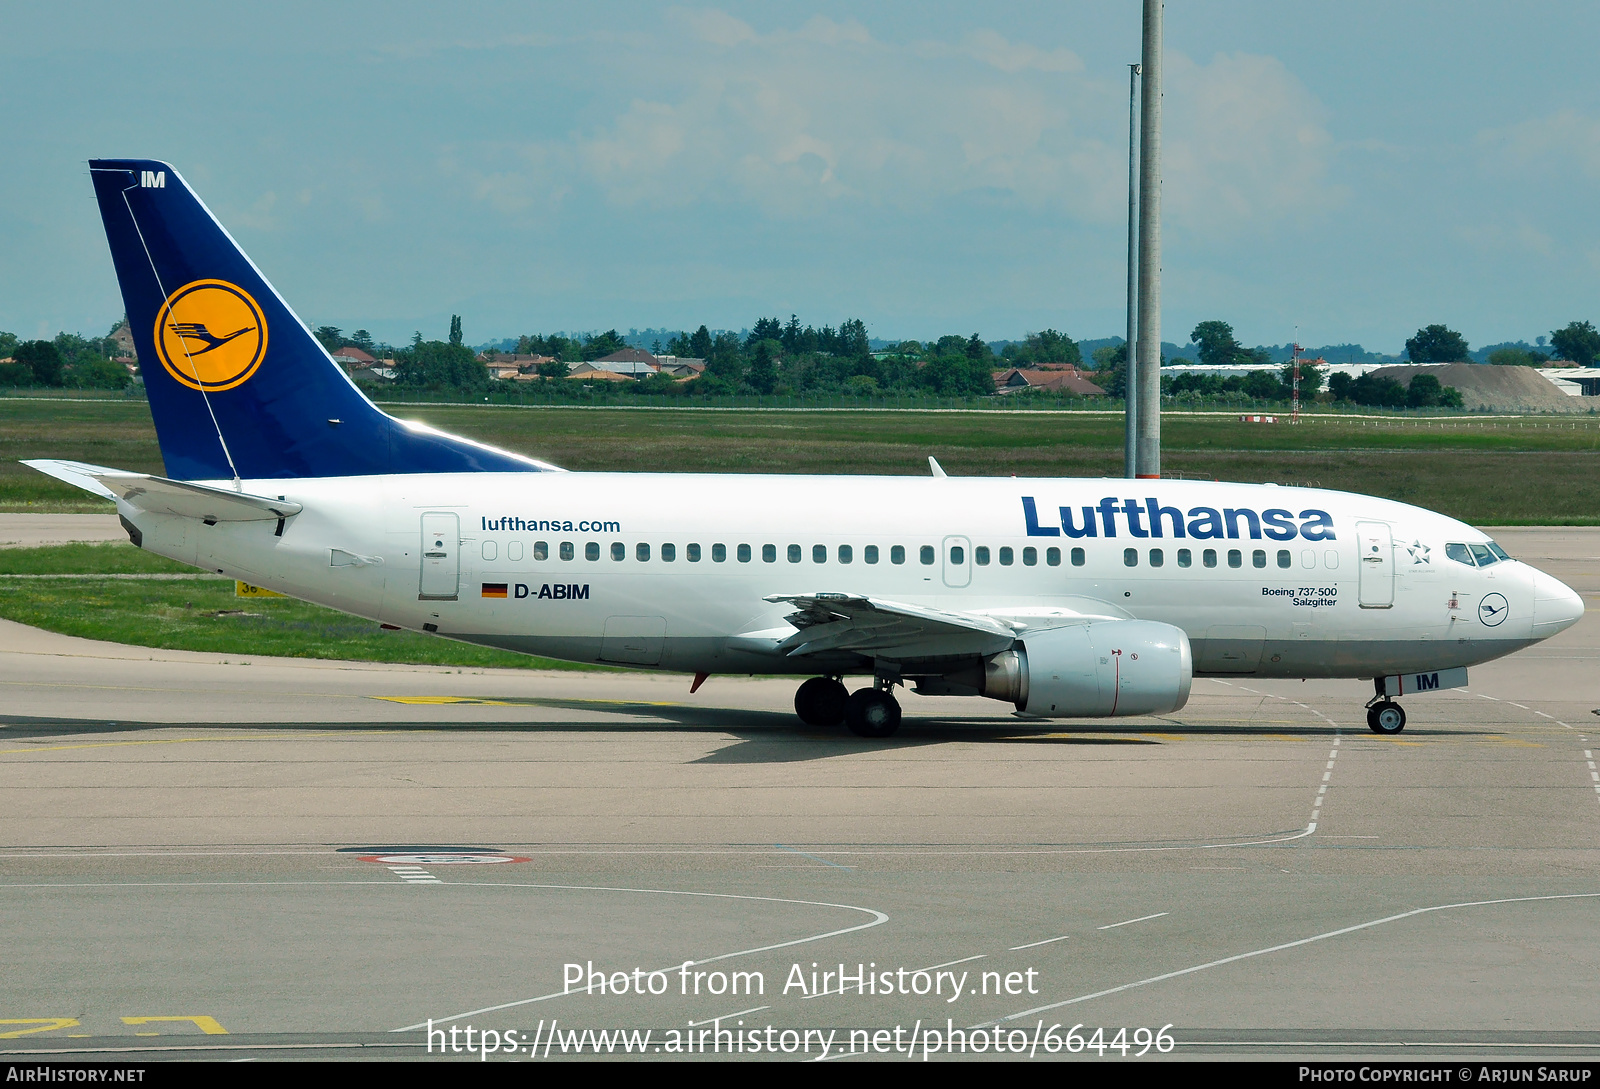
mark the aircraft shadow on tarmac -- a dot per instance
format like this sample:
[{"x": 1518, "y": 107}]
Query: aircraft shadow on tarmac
[{"x": 762, "y": 737}]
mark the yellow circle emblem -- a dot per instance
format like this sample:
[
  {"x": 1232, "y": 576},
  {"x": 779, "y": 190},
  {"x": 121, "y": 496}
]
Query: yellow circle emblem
[{"x": 210, "y": 335}]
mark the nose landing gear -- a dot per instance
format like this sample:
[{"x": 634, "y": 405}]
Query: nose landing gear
[{"x": 1384, "y": 716}]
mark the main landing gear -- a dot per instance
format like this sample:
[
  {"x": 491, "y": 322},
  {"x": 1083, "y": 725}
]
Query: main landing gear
[
  {"x": 821, "y": 701},
  {"x": 869, "y": 712},
  {"x": 1384, "y": 716}
]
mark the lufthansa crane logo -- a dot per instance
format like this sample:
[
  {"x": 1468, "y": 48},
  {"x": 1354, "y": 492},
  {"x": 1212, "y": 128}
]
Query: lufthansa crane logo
[
  {"x": 1492, "y": 609},
  {"x": 210, "y": 335}
]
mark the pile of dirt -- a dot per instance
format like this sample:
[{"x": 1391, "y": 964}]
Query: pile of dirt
[{"x": 1495, "y": 389}]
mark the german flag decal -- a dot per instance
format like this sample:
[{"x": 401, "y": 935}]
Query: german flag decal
[{"x": 494, "y": 589}]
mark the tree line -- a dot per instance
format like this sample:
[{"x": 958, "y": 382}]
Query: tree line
[{"x": 69, "y": 361}]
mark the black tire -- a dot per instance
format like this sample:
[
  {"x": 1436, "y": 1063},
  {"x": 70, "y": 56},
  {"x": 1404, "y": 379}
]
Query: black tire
[
  {"x": 821, "y": 702},
  {"x": 1387, "y": 717},
  {"x": 871, "y": 713}
]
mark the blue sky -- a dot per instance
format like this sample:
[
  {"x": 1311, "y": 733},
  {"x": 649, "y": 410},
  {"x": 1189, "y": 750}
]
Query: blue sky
[{"x": 1356, "y": 169}]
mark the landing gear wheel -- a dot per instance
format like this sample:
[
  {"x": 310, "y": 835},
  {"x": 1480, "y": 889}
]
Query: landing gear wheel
[
  {"x": 821, "y": 702},
  {"x": 871, "y": 713},
  {"x": 1386, "y": 718}
]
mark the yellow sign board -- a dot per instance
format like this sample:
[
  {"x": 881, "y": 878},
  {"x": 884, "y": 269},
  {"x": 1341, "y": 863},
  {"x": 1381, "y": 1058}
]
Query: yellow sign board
[{"x": 244, "y": 589}]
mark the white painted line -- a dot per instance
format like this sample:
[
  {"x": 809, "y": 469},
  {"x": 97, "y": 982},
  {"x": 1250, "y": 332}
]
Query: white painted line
[
  {"x": 1536, "y": 712},
  {"x": 879, "y": 918},
  {"x": 1279, "y": 948},
  {"x": 1330, "y": 765},
  {"x": 1588, "y": 754},
  {"x": 728, "y": 1016},
  {"x": 948, "y": 963},
  {"x": 1047, "y": 941},
  {"x": 1323, "y": 789},
  {"x": 1140, "y": 919},
  {"x": 1482, "y": 696},
  {"x": 1326, "y": 776},
  {"x": 1516, "y": 704}
]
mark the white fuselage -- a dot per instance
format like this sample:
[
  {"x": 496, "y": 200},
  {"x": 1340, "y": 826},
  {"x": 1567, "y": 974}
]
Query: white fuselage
[{"x": 672, "y": 571}]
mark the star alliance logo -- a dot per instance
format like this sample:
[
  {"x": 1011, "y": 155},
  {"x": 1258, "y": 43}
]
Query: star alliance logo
[{"x": 1419, "y": 552}]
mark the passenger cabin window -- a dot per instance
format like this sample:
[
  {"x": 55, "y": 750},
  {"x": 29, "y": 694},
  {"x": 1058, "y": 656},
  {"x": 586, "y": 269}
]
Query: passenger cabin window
[
  {"x": 490, "y": 549},
  {"x": 514, "y": 551},
  {"x": 769, "y": 553},
  {"x": 1235, "y": 558},
  {"x": 1258, "y": 558},
  {"x": 1078, "y": 557},
  {"x": 566, "y": 550},
  {"x": 794, "y": 553},
  {"x": 819, "y": 553},
  {"x": 669, "y": 552},
  {"x": 1052, "y": 556},
  {"x": 1185, "y": 557},
  {"x": 591, "y": 551},
  {"x": 541, "y": 550},
  {"x": 846, "y": 554},
  {"x": 980, "y": 555},
  {"x": 743, "y": 553},
  {"x": 958, "y": 555},
  {"x": 1284, "y": 559},
  {"x": 1157, "y": 557},
  {"x": 1130, "y": 557},
  {"x": 691, "y": 553},
  {"x": 619, "y": 551},
  {"x": 641, "y": 552},
  {"x": 926, "y": 554},
  {"x": 870, "y": 553},
  {"x": 719, "y": 553},
  {"x": 1210, "y": 557},
  {"x": 1005, "y": 556},
  {"x": 897, "y": 554},
  {"x": 1030, "y": 557}
]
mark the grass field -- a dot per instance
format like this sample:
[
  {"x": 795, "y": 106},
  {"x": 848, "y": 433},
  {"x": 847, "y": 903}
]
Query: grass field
[
  {"x": 1528, "y": 471},
  {"x": 72, "y": 589}
]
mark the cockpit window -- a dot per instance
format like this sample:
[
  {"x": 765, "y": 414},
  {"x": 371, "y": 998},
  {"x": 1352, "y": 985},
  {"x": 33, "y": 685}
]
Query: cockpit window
[
  {"x": 1482, "y": 554},
  {"x": 1459, "y": 552},
  {"x": 1498, "y": 551}
]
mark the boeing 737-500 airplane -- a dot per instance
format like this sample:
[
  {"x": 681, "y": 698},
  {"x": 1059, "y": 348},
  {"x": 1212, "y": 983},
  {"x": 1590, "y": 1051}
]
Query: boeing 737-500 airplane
[{"x": 1066, "y": 598}]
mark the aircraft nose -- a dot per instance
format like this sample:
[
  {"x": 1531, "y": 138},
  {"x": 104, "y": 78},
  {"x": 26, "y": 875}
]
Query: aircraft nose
[{"x": 1556, "y": 606}]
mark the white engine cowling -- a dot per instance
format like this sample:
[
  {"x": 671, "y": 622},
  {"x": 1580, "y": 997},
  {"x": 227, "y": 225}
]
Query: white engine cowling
[{"x": 1101, "y": 669}]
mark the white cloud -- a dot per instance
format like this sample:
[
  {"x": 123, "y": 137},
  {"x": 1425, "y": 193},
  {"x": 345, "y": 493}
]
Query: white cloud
[
  {"x": 1244, "y": 145},
  {"x": 993, "y": 49},
  {"x": 794, "y": 120},
  {"x": 1560, "y": 141}
]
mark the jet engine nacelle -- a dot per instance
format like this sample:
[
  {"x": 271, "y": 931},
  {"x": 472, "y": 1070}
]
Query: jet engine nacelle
[{"x": 1101, "y": 669}]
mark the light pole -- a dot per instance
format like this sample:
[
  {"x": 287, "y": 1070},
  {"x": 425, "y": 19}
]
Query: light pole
[
  {"x": 1150, "y": 246},
  {"x": 1130, "y": 366}
]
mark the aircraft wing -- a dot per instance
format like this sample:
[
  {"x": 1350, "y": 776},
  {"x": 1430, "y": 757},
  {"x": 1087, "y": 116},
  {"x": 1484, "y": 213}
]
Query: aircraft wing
[
  {"x": 887, "y": 629},
  {"x": 158, "y": 495}
]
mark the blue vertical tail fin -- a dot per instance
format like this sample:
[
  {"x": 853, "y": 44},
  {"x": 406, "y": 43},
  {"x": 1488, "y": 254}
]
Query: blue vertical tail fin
[{"x": 238, "y": 386}]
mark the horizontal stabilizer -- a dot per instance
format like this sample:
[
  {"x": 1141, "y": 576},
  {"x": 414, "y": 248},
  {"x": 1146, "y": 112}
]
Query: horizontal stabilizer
[{"x": 158, "y": 495}]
